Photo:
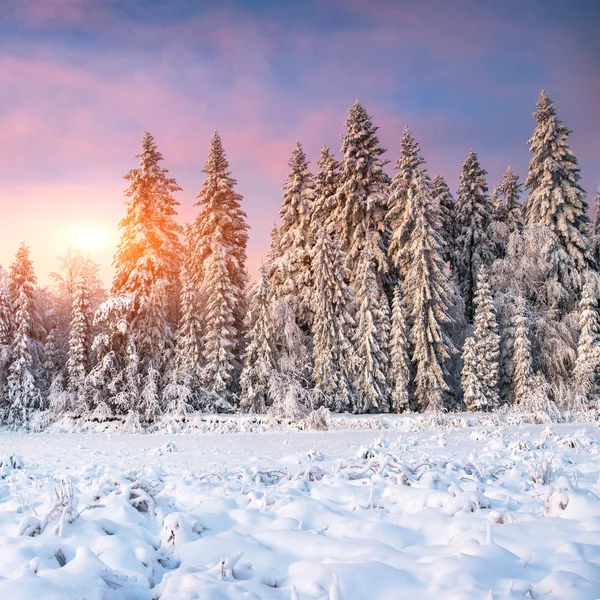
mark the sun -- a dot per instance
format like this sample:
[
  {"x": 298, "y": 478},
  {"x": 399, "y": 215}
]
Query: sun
[{"x": 88, "y": 237}]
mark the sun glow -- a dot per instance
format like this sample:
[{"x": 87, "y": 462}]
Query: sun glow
[{"x": 89, "y": 237}]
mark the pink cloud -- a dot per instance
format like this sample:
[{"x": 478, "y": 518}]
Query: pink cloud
[{"x": 44, "y": 13}]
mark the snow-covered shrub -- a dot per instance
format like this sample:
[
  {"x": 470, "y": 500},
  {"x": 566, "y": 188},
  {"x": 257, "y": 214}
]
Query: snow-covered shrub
[{"x": 318, "y": 419}]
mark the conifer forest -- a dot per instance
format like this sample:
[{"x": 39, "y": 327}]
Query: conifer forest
[{"x": 383, "y": 291}]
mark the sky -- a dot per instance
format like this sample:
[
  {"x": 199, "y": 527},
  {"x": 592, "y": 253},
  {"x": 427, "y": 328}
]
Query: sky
[{"x": 81, "y": 80}]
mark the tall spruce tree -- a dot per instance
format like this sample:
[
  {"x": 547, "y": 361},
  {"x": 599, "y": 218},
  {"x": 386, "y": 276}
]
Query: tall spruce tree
[
  {"x": 79, "y": 354},
  {"x": 510, "y": 210},
  {"x": 446, "y": 205},
  {"x": 273, "y": 258},
  {"x": 399, "y": 356},
  {"x": 473, "y": 217},
  {"x": 220, "y": 334},
  {"x": 7, "y": 322},
  {"x": 292, "y": 279},
  {"x": 150, "y": 248},
  {"x": 487, "y": 342},
  {"x": 221, "y": 226},
  {"x": 587, "y": 365},
  {"x": 555, "y": 198},
  {"x": 361, "y": 201},
  {"x": 469, "y": 378},
  {"x": 53, "y": 359},
  {"x": 149, "y": 252},
  {"x": 401, "y": 202},
  {"x": 260, "y": 358},
  {"x": 522, "y": 381},
  {"x": 154, "y": 343},
  {"x": 371, "y": 336},
  {"x": 188, "y": 341},
  {"x": 7, "y": 316},
  {"x": 432, "y": 299},
  {"x": 24, "y": 371},
  {"x": 333, "y": 350},
  {"x": 595, "y": 233},
  {"x": 326, "y": 185}
]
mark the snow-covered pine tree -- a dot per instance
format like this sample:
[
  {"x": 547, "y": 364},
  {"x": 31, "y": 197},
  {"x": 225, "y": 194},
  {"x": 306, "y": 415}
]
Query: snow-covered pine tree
[
  {"x": 221, "y": 226},
  {"x": 23, "y": 385},
  {"x": 556, "y": 199},
  {"x": 188, "y": 340},
  {"x": 371, "y": 336},
  {"x": 325, "y": 189},
  {"x": 150, "y": 249},
  {"x": 7, "y": 316},
  {"x": 183, "y": 391},
  {"x": 399, "y": 355},
  {"x": 220, "y": 334},
  {"x": 53, "y": 358},
  {"x": 506, "y": 326},
  {"x": 401, "y": 209},
  {"x": 508, "y": 212},
  {"x": 522, "y": 380},
  {"x": 587, "y": 366},
  {"x": 154, "y": 343},
  {"x": 447, "y": 207},
  {"x": 78, "y": 359},
  {"x": 114, "y": 384},
  {"x": 273, "y": 258},
  {"x": 333, "y": 351},
  {"x": 511, "y": 211},
  {"x": 595, "y": 233},
  {"x": 473, "y": 217},
  {"x": 432, "y": 299},
  {"x": 291, "y": 280},
  {"x": 469, "y": 379},
  {"x": 7, "y": 324},
  {"x": 361, "y": 201},
  {"x": 260, "y": 354},
  {"x": 487, "y": 342}
]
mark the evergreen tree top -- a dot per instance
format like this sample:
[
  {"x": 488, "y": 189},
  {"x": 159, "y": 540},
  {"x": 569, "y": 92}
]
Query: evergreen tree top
[
  {"x": 299, "y": 179},
  {"x": 473, "y": 186},
  {"x": 441, "y": 194},
  {"x": 217, "y": 160},
  {"x": 410, "y": 156},
  {"x": 510, "y": 189},
  {"x": 549, "y": 148},
  {"x": 439, "y": 183},
  {"x": 327, "y": 162},
  {"x": 149, "y": 248},
  {"x": 545, "y": 107},
  {"x": 218, "y": 187},
  {"x": 21, "y": 270},
  {"x": 150, "y": 171},
  {"x": 361, "y": 137},
  {"x": 221, "y": 220}
]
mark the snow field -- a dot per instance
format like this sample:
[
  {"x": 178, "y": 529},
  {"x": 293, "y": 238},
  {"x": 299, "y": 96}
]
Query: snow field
[{"x": 463, "y": 514}]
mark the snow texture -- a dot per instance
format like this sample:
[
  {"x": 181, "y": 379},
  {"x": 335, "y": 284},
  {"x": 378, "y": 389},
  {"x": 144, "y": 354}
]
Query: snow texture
[{"x": 498, "y": 512}]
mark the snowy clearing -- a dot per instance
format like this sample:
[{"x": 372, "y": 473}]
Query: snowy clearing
[{"x": 476, "y": 513}]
